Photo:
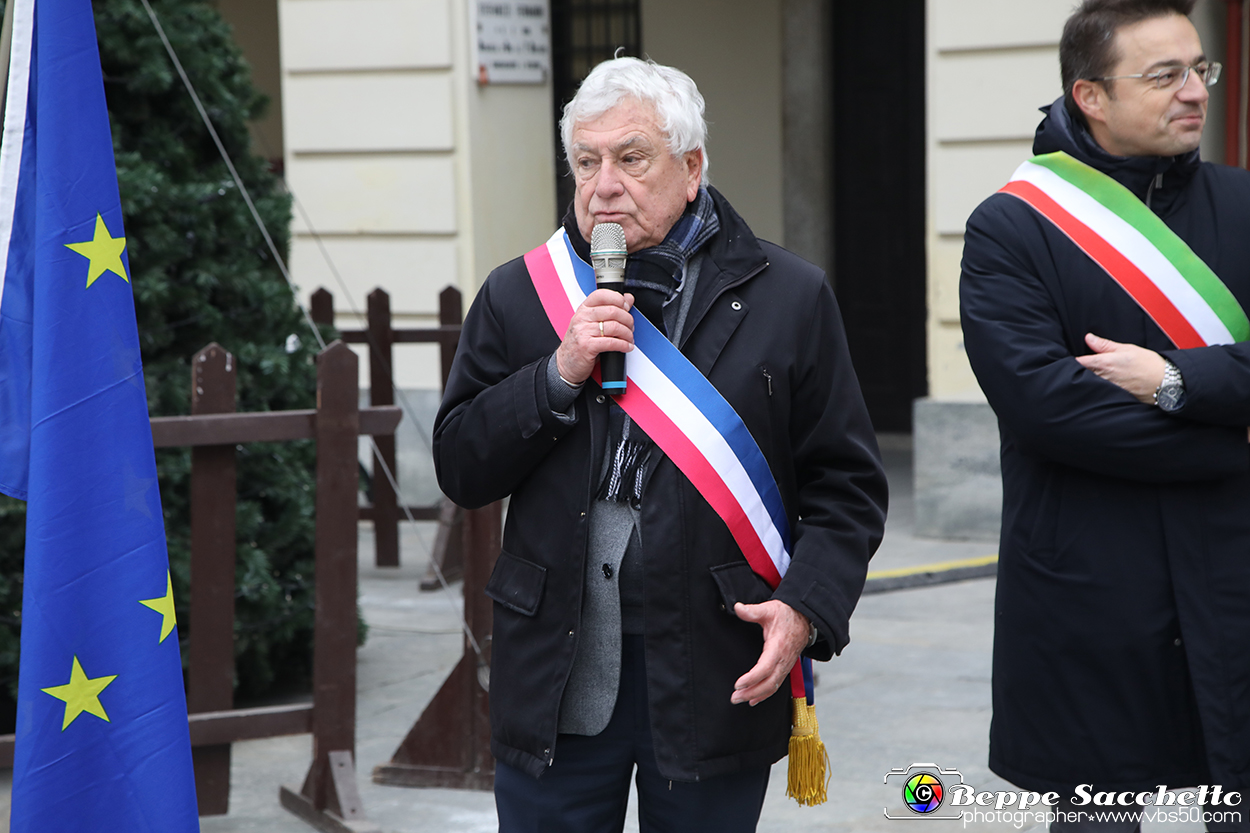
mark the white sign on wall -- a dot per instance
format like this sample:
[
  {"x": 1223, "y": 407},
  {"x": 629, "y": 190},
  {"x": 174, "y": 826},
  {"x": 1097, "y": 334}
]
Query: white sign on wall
[{"x": 512, "y": 41}]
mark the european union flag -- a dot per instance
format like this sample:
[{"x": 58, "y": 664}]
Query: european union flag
[{"x": 102, "y": 739}]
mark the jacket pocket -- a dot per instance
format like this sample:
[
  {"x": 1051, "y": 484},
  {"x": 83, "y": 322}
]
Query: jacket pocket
[
  {"x": 517, "y": 584},
  {"x": 739, "y": 583}
]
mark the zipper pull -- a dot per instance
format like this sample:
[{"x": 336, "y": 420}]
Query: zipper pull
[
  {"x": 769, "y": 377},
  {"x": 1155, "y": 184}
]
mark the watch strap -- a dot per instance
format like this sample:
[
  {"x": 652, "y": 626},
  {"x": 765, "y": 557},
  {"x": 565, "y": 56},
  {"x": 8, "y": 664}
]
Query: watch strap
[{"x": 1171, "y": 391}]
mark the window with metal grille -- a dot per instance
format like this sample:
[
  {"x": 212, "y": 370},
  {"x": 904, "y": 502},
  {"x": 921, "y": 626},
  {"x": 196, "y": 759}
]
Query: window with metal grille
[{"x": 584, "y": 33}]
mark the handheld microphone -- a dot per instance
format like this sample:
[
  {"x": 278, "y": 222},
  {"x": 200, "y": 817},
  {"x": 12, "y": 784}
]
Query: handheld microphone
[{"x": 607, "y": 256}]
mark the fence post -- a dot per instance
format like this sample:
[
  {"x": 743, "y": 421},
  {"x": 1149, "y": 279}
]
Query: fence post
[
  {"x": 329, "y": 798},
  {"x": 449, "y": 745},
  {"x": 382, "y": 392},
  {"x": 448, "y": 551},
  {"x": 210, "y": 679},
  {"x": 450, "y": 314},
  {"x": 321, "y": 307}
]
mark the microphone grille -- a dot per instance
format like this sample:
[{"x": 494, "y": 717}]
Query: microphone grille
[{"x": 607, "y": 238}]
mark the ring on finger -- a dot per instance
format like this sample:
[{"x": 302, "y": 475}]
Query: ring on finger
[{"x": 601, "y": 334}]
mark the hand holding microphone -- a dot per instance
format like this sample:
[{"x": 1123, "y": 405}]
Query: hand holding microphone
[{"x": 602, "y": 328}]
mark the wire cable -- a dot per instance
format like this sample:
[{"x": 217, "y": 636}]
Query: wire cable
[
  {"x": 282, "y": 267},
  {"x": 234, "y": 174},
  {"x": 396, "y": 391}
]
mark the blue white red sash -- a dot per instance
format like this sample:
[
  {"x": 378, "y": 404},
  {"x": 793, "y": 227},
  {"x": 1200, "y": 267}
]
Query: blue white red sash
[{"x": 688, "y": 419}]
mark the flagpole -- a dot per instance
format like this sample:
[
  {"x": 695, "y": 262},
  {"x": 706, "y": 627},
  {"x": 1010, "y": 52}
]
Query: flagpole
[{"x": 6, "y": 51}]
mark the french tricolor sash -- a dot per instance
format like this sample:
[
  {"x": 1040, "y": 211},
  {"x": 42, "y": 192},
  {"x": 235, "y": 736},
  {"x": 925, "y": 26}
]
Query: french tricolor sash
[
  {"x": 1147, "y": 259},
  {"x": 699, "y": 430}
]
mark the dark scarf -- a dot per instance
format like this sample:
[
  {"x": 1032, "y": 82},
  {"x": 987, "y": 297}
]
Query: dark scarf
[{"x": 653, "y": 276}]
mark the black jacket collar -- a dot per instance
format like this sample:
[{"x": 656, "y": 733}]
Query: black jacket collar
[
  {"x": 1059, "y": 131},
  {"x": 731, "y": 257}
]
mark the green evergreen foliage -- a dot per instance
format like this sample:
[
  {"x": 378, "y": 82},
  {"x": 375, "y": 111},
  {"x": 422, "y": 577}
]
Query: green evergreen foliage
[{"x": 202, "y": 273}]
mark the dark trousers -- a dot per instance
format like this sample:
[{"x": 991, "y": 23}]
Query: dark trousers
[{"x": 586, "y": 789}]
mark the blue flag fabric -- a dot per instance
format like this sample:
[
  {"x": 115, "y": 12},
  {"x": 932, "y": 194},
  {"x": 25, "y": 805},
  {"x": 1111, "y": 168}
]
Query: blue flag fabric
[{"x": 102, "y": 739}]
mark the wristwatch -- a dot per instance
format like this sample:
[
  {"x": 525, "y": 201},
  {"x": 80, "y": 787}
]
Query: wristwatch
[
  {"x": 812, "y": 634},
  {"x": 1170, "y": 395}
]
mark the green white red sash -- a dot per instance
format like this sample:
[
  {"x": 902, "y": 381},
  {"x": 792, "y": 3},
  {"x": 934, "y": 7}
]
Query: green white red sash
[{"x": 1147, "y": 259}]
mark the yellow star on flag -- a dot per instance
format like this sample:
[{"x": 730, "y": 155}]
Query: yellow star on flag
[
  {"x": 104, "y": 252},
  {"x": 81, "y": 695},
  {"x": 164, "y": 606}
]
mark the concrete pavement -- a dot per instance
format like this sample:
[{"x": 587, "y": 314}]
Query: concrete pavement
[{"x": 913, "y": 686}]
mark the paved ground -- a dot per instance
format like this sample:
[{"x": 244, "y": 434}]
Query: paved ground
[{"x": 913, "y": 686}]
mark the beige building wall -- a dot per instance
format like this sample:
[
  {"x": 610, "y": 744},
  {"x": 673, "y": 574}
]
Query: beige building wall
[
  {"x": 989, "y": 71},
  {"x": 988, "y": 74},
  {"x": 1210, "y": 18},
  {"x": 732, "y": 50},
  {"x": 408, "y": 175}
]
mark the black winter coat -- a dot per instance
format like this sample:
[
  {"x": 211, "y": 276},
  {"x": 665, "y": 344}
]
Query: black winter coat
[
  {"x": 1122, "y": 618},
  {"x": 765, "y": 329}
]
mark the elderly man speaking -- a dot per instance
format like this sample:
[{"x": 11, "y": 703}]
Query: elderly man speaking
[{"x": 669, "y": 552}]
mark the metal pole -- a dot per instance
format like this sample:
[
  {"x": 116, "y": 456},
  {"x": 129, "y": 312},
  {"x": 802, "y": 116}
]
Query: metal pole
[{"x": 6, "y": 54}]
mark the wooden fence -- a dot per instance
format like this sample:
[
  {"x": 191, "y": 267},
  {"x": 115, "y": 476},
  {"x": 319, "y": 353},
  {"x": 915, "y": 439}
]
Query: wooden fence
[
  {"x": 384, "y": 509},
  {"x": 328, "y": 797},
  {"x": 449, "y": 745}
]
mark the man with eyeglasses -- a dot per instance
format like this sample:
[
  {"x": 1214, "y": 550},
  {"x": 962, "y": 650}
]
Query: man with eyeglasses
[{"x": 1103, "y": 302}]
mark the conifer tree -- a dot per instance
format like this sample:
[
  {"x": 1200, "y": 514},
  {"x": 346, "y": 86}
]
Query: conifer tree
[{"x": 201, "y": 272}]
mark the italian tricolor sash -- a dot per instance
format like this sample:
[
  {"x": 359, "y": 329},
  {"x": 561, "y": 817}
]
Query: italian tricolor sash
[
  {"x": 1147, "y": 259},
  {"x": 699, "y": 430}
]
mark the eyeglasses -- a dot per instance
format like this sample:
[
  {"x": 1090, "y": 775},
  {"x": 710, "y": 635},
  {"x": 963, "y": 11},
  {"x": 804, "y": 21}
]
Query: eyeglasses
[{"x": 1174, "y": 77}]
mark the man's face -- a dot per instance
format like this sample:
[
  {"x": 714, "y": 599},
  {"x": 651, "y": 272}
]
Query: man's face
[
  {"x": 624, "y": 173},
  {"x": 1140, "y": 119}
]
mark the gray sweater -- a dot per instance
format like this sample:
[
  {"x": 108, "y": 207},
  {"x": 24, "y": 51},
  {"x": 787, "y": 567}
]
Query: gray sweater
[{"x": 612, "y": 599}]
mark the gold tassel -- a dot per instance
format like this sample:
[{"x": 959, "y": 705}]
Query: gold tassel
[{"x": 808, "y": 779}]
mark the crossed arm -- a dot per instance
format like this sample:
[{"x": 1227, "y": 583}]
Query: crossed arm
[{"x": 1136, "y": 369}]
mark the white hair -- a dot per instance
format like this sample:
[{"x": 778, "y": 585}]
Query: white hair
[{"x": 673, "y": 94}]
